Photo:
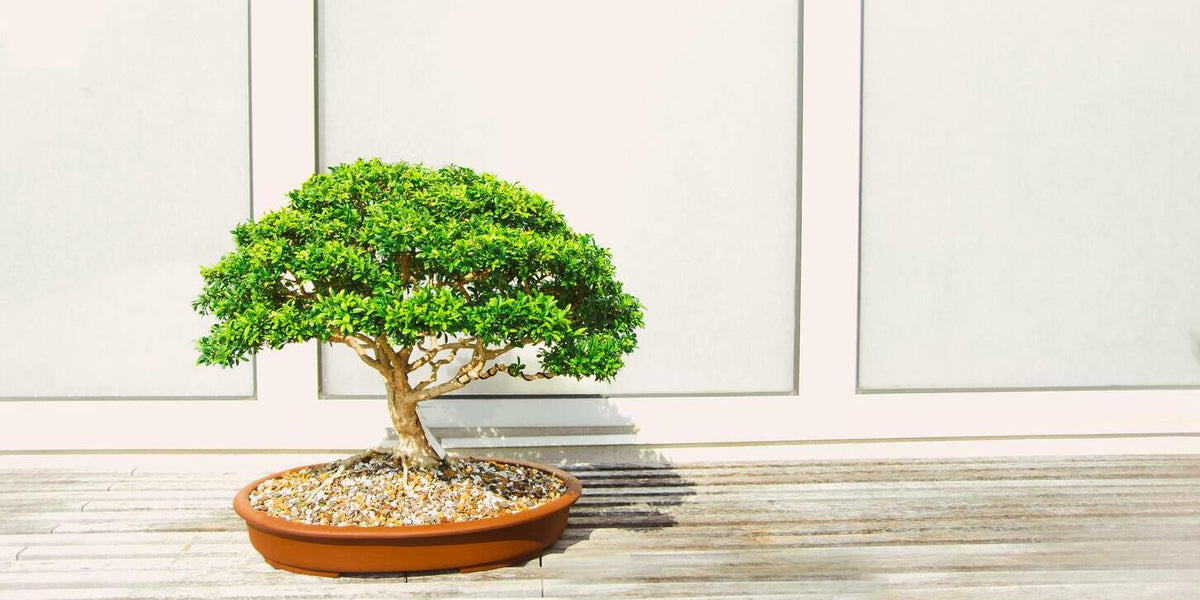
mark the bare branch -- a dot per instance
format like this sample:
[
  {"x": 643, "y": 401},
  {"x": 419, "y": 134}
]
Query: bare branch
[
  {"x": 362, "y": 353},
  {"x": 383, "y": 353},
  {"x": 442, "y": 388},
  {"x": 474, "y": 369},
  {"x": 536, "y": 376},
  {"x": 476, "y": 275},
  {"x": 431, "y": 353},
  {"x": 385, "y": 346},
  {"x": 434, "y": 368},
  {"x": 405, "y": 268},
  {"x": 503, "y": 368},
  {"x": 400, "y": 360},
  {"x": 490, "y": 354},
  {"x": 460, "y": 284}
]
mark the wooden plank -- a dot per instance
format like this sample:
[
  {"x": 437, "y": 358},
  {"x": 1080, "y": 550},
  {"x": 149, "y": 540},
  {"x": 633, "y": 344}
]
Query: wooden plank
[
  {"x": 133, "y": 550},
  {"x": 293, "y": 587},
  {"x": 727, "y": 539},
  {"x": 1017, "y": 577},
  {"x": 947, "y": 463},
  {"x": 23, "y": 504},
  {"x": 179, "y": 515},
  {"x": 81, "y": 496},
  {"x": 135, "y": 537},
  {"x": 888, "y": 475},
  {"x": 901, "y": 509},
  {"x": 217, "y": 523},
  {"x": 216, "y": 570},
  {"x": 660, "y": 521},
  {"x": 173, "y": 462},
  {"x": 909, "y": 558},
  {"x": 1147, "y": 590},
  {"x": 37, "y": 486},
  {"x": 879, "y": 586}
]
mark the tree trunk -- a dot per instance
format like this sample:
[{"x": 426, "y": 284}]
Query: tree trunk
[{"x": 412, "y": 444}]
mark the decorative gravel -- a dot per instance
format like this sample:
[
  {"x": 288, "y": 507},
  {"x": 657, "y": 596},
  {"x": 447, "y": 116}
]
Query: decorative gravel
[{"x": 373, "y": 492}]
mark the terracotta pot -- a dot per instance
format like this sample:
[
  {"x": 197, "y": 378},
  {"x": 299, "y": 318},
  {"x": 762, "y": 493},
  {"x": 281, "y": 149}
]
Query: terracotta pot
[{"x": 467, "y": 546}]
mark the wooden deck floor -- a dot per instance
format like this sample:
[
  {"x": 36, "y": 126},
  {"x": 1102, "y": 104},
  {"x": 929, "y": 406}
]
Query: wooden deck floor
[{"x": 1116, "y": 527}]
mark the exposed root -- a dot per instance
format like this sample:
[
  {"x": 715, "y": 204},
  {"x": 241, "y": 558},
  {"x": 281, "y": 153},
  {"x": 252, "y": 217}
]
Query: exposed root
[
  {"x": 395, "y": 453},
  {"x": 342, "y": 465},
  {"x": 350, "y": 461},
  {"x": 417, "y": 459},
  {"x": 404, "y": 463}
]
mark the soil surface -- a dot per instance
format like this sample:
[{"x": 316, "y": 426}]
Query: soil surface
[{"x": 374, "y": 492}]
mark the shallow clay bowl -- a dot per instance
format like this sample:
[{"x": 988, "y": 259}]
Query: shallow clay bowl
[{"x": 466, "y": 546}]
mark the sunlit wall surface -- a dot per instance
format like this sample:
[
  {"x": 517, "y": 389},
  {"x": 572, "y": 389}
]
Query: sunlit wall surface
[
  {"x": 124, "y": 162},
  {"x": 1030, "y": 194}
]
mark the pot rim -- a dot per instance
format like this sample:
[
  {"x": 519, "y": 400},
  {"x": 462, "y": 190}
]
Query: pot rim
[{"x": 274, "y": 525}]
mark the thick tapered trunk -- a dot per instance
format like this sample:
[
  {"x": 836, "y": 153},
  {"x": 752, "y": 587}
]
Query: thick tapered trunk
[{"x": 412, "y": 444}]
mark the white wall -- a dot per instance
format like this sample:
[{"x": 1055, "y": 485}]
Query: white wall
[
  {"x": 1030, "y": 194},
  {"x": 668, "y": 129},
  {"x": 124, "y": 163}
]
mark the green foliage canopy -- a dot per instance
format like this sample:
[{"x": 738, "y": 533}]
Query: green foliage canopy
[{"x": 407, "y": 252}]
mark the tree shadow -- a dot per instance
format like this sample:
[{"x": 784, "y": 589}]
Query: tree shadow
[{"x": 625, "y": 488}]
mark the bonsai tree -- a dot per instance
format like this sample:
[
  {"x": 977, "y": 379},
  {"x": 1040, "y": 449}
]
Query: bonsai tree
[{"x": 413, "y": 268}]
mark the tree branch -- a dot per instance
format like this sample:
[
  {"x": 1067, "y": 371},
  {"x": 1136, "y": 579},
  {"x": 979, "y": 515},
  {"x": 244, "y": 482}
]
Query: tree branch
[
  {"x": 405, "y": 268},
  {"x": 467, "y": 373},
  {"x": 474, "y": 369},
  {"x": 503, "y": 368},
  {"x": 431, "y": 353},
  {"x": 434, "y": 367},
  {"x": 361, "y": 352},
  {"x": 383, "y": 345},
  {"x": 383, "y": 352},
  {"x": 460, "y": 284}
]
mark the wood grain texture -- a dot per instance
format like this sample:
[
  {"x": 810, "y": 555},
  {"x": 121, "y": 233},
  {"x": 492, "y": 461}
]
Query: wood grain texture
[{"x": 1120, "y": 527}]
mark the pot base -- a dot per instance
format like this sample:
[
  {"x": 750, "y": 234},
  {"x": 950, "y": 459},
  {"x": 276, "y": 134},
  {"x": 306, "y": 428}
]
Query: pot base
[
  {"x": 333, "y": 574},
  {"x": 299, "y": 570}
]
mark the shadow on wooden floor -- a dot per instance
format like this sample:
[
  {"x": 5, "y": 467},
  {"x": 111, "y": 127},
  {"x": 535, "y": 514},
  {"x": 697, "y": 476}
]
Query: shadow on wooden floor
[{"x": 628, "y": 497}]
